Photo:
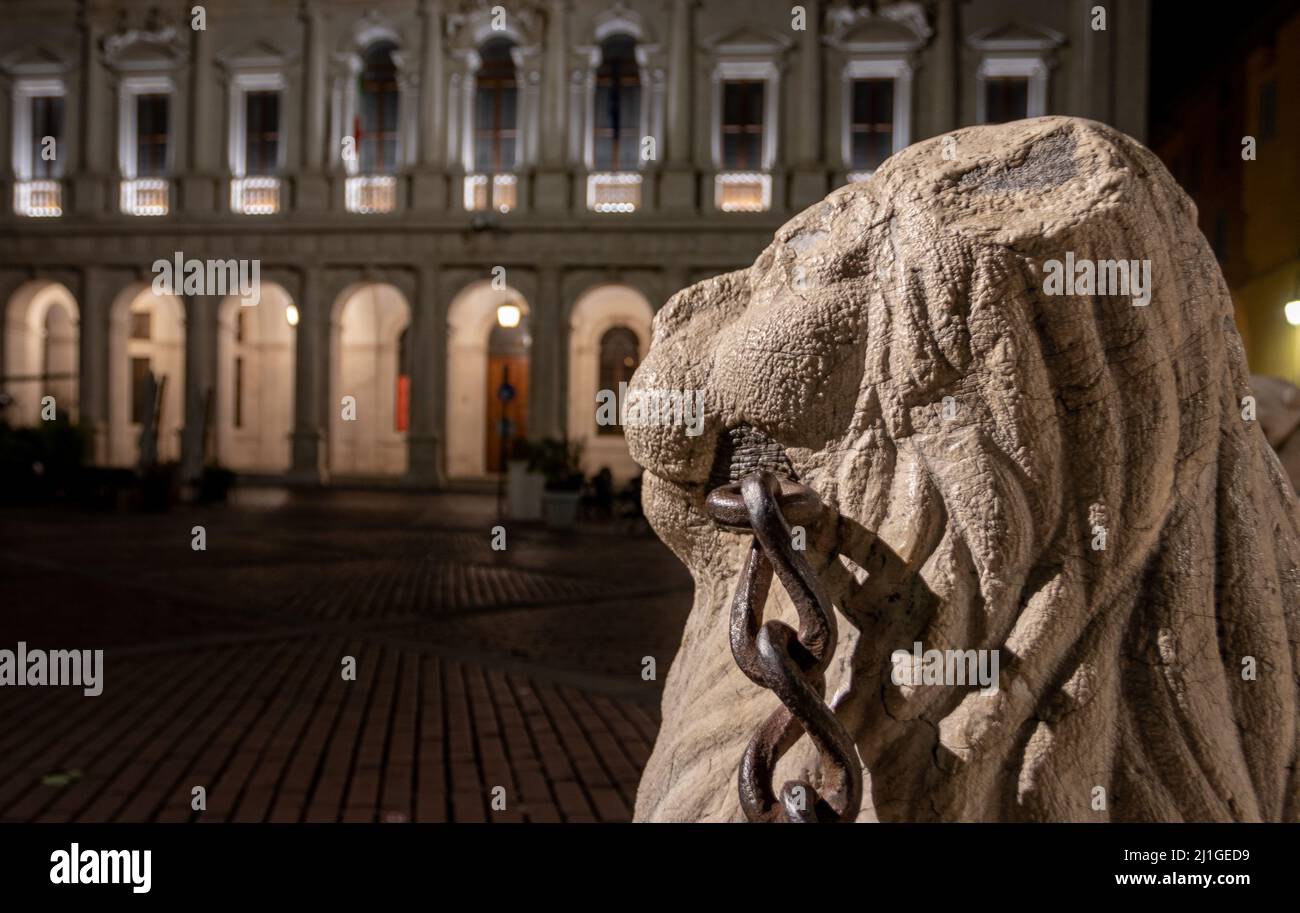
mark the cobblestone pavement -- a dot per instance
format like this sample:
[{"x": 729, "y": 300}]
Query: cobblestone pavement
[{"x": 475, "y": 669}]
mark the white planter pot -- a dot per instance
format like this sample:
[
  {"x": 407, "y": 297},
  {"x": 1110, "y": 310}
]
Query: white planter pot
[
  {"x": 524, "y": 491},
  {"x": 561, "y": 508}
]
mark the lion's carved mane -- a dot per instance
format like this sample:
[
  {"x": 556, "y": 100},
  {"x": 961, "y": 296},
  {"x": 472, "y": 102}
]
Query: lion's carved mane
[{"x": 1152, "y": 679}]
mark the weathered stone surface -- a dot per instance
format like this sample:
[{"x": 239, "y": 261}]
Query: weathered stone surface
[
  {"x": 973, "y": 526},
  {"x": 1278, "y": 404}
]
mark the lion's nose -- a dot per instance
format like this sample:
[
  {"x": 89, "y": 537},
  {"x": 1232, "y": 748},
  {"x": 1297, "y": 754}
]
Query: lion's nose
[{"x": 670, "y": 417}]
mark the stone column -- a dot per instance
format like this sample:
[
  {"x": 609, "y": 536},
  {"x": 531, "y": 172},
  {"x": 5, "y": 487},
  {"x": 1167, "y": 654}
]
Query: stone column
[
  {"x": 96, "y": 139},
  {"x": 310, "y": 380},
  {"x": 424, "y": 440},
  {"x": 198, "y": 184},
  {"x": 92, "y": 368},
  {"x": 8, "y": 166},
  {"x": 429, "y": 183},
  {"x": 551, "y": 190},
  {"x": 546, "y": 405},
  {"x": 944, "y": 111},
  {"x": 808, "y": 183},
  {"x": 677, "y": 183},
  {"x": 312, "y": 191},
  {"x": 344, "y": 71},
  {"x": 200, "y": 380}
]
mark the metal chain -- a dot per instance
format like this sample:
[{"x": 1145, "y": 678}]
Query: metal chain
[{"x": 789, "y": 664}]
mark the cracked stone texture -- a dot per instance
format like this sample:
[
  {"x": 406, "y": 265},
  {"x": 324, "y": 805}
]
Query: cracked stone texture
[{"x": 1120, "y": 668}]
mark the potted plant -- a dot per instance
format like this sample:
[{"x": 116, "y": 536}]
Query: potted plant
[
  {"x": 524, "y": 482},
  {"x": 560, "y": 461}
]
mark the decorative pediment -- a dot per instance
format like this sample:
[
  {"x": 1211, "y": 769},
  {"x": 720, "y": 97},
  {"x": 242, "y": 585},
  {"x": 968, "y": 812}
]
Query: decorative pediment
[
  {"x": 254, "y": 54},
  {"x": 619, "y": 20},
  {"x": 470, "y": 23},
  {"x": 367, "y": 30},
  {"x": 34, "y": 60},
  {"x": 749, "y": 39},
  {"x": 162, "y": 47},
  {"x": 1016, "y": 36},
  {"x": 898, "y": 27}
]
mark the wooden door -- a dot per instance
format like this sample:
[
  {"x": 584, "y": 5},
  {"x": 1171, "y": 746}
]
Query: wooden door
[{"x": 502, "y": 368}]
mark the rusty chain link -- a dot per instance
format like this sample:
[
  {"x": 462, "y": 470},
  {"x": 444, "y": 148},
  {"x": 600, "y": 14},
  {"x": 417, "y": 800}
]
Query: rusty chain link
[{"x": 789, "y": 664}]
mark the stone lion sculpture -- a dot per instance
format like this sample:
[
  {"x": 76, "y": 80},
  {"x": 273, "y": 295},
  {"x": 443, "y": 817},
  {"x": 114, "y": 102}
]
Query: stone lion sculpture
[{"x": 1058, "y": 472}]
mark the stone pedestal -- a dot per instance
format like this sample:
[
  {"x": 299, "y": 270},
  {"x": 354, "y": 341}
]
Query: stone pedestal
[
  {"x": 308, "y": 458},
  {"x": 424, "y": 460}
]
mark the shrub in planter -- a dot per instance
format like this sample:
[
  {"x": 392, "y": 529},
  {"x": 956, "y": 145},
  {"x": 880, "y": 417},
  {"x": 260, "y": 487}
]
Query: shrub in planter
[
  {"x": 40, "y": 463},
  {"x": 560, "y": 461},
  {"x": 215, "y": 484},
  {"x": 524, "y": 482}
]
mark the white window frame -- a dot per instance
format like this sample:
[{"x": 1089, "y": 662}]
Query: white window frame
[
  {"x": 644, "y": 115},
  {"x": 768, "y": 72},
  {"x": 129, "y": 88},
  {"x": 900, "y": 71},
  {"x": 240, "y": 87},
  {"x": 24, "y": 91},
  {"x": 1032, "y": 68},
  {"x": 469, "y": 109}
]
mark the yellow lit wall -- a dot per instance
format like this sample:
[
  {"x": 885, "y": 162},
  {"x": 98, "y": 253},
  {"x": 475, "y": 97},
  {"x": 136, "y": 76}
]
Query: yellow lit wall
[{"x": 1271, "y": 204}]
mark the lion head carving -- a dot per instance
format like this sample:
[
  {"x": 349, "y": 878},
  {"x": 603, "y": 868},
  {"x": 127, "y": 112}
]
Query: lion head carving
[{"x": 1061, "y": 474}]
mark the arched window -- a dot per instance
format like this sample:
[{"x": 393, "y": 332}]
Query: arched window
[
  {"x": 619, "y": 356},
  {"x": 495, "y": 109},
  {"x": 376, "y": 127},
  {"x": 617, "y": 115}
]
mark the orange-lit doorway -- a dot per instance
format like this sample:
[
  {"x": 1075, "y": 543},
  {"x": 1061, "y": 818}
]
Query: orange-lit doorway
[{"x": 508, "y": 369}]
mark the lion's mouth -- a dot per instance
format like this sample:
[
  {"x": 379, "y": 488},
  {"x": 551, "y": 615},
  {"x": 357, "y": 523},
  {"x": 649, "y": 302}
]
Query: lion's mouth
[{"x": 745, "y": 449}]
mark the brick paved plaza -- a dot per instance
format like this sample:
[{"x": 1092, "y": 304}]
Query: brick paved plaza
[{"x": 474, "y": 668}]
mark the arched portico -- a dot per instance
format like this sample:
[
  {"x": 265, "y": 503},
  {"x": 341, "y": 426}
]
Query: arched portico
[
  {"x": 255, "y": 380},
  {"x": 471, "y": 320},
  {"x": 146, "y": 334},
  {"x": 597, "y": 318},
  {"x": 41, "y": 359},
  {"x": 369, "y": 364}
]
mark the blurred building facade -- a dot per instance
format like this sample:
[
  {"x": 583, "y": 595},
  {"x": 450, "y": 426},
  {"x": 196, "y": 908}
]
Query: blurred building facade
[
  {"x": 1230, "y": 140},
  {"x": 442, "y": 195}
]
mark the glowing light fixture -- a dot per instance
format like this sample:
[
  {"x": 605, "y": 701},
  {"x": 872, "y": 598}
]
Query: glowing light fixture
[
  {"x": 1293, "y": 312},
  {"x": 291, "y": 315},
  {"x": 508, "y": 315}
]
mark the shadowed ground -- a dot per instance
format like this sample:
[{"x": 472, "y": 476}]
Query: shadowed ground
[{"x": 475, "y": 668}]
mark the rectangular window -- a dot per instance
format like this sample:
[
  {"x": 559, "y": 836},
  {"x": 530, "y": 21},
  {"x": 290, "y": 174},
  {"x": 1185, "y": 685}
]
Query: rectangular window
[
  {"x": 742, "y": 125},
  {"x": 141, "y": 405},
  {"x": 239, "y": 393},
  {"x": 616, "y": 139},
  {"x": 261, "y": 133},
  {"x": 871, "y": 123},
  {"x": 47, "y": 120},
  {"x": 1006, "y": 98},
  {"x": 495, "y": 127},
  {"x": 141, "y": 324},
  {"x": 379, "y": 128},
  {"x": 151, "y": 134}
]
